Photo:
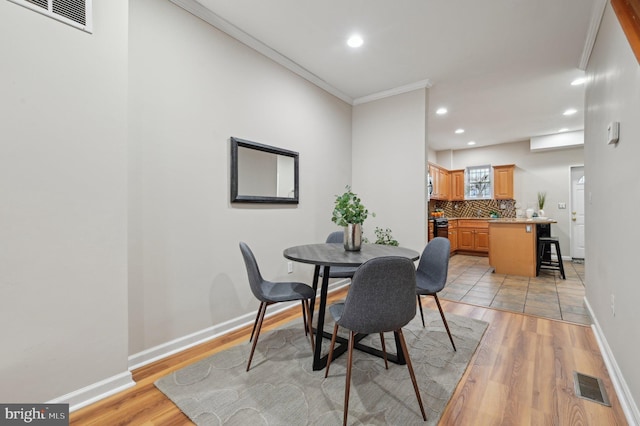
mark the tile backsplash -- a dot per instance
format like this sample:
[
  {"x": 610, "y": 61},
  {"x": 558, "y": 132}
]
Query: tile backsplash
[{"x": 474, "y": 208}]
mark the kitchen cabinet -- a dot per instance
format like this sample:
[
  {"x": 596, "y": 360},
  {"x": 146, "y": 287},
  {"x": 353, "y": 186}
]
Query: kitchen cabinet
[
  {"x": 430, "y": 237},
  {"x": 473, "y": 235},
  {"x": 440, "y": 180},
  {"x": 503, "y": 182},
  {"x": 514, "y": 245},
  {"x": 453, "y": 235},
  {"x": 443, "y": 180},
  {"x": 457, "y": 185}
]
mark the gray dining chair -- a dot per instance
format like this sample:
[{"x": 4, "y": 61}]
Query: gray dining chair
[
  {"x": 268, "y": 293},
  {"x": 338, "y": 271},
  {"x": 380, "y": 299},
  {"x": 431, "y": 275}
]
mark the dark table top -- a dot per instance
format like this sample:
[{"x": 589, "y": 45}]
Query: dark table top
[{"x": 335, "y": 254}]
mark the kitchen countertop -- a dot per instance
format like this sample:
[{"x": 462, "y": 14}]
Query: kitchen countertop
[
  {"x": 522, "y": 220},
  {"x": 499, "y": 219}
]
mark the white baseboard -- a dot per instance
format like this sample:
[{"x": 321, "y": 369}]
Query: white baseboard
[
  {"x": 627, "y": 402},
  {"x": 180, "y": 344},
  {"x": 112, "y": 385},
  {"x": 96, "y": 391},
  {"x": 172, "y": 347}
]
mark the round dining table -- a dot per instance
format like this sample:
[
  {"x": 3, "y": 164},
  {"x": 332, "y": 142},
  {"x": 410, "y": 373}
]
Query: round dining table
[{"x": 326, "y": 255}]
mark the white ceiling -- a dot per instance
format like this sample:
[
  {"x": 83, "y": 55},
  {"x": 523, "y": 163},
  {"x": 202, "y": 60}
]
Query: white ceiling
[{"x": 502, "y": 68}]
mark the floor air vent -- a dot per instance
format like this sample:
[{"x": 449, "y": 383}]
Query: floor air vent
[{"x": 590, "y": 388}]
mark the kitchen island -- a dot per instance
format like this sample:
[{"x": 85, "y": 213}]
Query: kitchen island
[{"x": 513, "y": 245}]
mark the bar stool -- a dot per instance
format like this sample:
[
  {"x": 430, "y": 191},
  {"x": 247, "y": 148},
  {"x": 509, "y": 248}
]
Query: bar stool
[{"x": 543, "y": 242}]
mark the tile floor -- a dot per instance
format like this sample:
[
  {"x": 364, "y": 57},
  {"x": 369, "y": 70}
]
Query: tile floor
[{"x": 472, "y": 280}]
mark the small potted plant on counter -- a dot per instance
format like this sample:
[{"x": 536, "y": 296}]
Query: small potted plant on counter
[
  {"x": 542, "y": 197},
  {"x": 350, "y": 213}
]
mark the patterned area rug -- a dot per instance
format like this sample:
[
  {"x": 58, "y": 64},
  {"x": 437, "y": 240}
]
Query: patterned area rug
[{"x": 282, "y": 389}]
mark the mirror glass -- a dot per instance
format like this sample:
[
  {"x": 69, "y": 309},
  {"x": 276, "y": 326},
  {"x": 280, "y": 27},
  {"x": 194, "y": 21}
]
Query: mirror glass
[{"x": 262, "y": 173}]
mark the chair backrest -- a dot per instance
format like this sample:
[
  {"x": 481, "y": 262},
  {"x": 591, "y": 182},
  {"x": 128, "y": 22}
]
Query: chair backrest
[
  {"x": 382, "y": 296},
  {"x": 336, "y": 237},
  {"x": 434, "y": 262},
  {"x": 253, "y": 272}
]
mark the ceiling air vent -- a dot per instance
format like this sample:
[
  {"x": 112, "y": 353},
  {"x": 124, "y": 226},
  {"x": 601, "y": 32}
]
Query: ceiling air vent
[{"x": 76, "y": 13}]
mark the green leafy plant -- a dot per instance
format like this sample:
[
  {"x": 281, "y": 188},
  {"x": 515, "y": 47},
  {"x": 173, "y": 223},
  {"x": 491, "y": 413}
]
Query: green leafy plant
[
  {"x": 349, "y": 209},
  {"x": 384, "y": 237},
  {"x": 542, "y": 197}
]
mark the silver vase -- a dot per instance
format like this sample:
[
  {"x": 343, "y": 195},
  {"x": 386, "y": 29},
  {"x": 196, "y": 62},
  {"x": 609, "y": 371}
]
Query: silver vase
[{"x": 353, "y": 237}]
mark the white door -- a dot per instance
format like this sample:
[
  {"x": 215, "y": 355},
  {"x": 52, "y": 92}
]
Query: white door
[{"x": 577, "y": 212}]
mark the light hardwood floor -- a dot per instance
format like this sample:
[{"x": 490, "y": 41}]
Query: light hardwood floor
[{"x": 521, "y": 374}]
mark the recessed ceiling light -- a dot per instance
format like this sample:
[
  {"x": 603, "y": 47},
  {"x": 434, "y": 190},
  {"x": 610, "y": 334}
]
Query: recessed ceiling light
[
  {"x": 441, "y": 111},
  {"x": 355, "y": 41},
  {"x": 459, "y": 131},
  {"x": 564, "y": 129},
  {"x": 471, "y": 143},
  {"x": 578, "y": 81},
  {"x": 570, "y": 111}
]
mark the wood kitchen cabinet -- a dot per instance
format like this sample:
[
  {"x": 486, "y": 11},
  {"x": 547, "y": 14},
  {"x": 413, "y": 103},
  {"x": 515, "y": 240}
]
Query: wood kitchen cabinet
[
  {"x": 503, "y": 182},
  {"x": 453, "y": 235},
  {"x": 473, "y": 235},
  {"x": 457, "y": 185},
  {"x": 440, "y": 180}
]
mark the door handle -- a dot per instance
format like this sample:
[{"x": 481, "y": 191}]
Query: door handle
[{"x": 573, "y": 219}]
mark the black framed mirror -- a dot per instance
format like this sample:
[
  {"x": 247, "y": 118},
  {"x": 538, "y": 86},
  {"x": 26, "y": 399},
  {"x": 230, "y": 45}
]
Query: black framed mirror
[{"x": 262, "y": 173}]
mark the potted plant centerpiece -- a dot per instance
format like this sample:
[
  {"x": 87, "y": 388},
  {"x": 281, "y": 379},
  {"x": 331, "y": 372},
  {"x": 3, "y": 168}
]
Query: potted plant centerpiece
[
  {"x": 542, "y": 197},
  {"x": 350, "y": 213}
]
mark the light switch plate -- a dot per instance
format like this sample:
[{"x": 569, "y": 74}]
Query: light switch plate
[
  {"x": 562, "y": 205},
  {"x": 613, "y": 132}
]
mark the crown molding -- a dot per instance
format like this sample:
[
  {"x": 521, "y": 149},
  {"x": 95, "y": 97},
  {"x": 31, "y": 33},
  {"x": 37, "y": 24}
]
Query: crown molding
[
  {"x": 594, "y": 26},
  {"x": 422, "y": 84},
  {"x": 197, "y": 9}
]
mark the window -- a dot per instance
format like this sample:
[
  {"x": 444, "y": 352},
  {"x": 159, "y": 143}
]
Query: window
[{"x": 478, "y": 184}]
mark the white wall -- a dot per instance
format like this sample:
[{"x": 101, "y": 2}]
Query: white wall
[
  {"x": 193, "y": 87},
  {"x": 63, "y": 244},
  {"x": 547, "y": 171},
  {"x": 613, "y": 94},
  {"x": 389, "y": 168}
]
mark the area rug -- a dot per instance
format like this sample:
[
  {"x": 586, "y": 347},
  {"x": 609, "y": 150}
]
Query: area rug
[{"x": 282, "y": 389}]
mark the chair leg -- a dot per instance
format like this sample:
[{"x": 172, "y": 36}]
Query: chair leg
[
  {"x": 444, "y": 320},
  {"x": 560, "y": 264},
  {"x": 347, "y": 388},
  {"x": 333, "y": 344},
  {"x": 258, "y": 327},
  {"x": 539, "y": 260},
  {"x": 384, "y": 351},
  {"x": 420, "y": 306},
  {"x": 256, "y": 321},
  {"x": 304, "y": 318},
  {"x": 411, "y": 373},
  {"x": 307, "y": 324}
]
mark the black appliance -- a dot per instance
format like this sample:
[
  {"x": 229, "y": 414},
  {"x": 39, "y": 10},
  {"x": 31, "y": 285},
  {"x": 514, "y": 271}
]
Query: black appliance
[{"x": 441, "y": 227}]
